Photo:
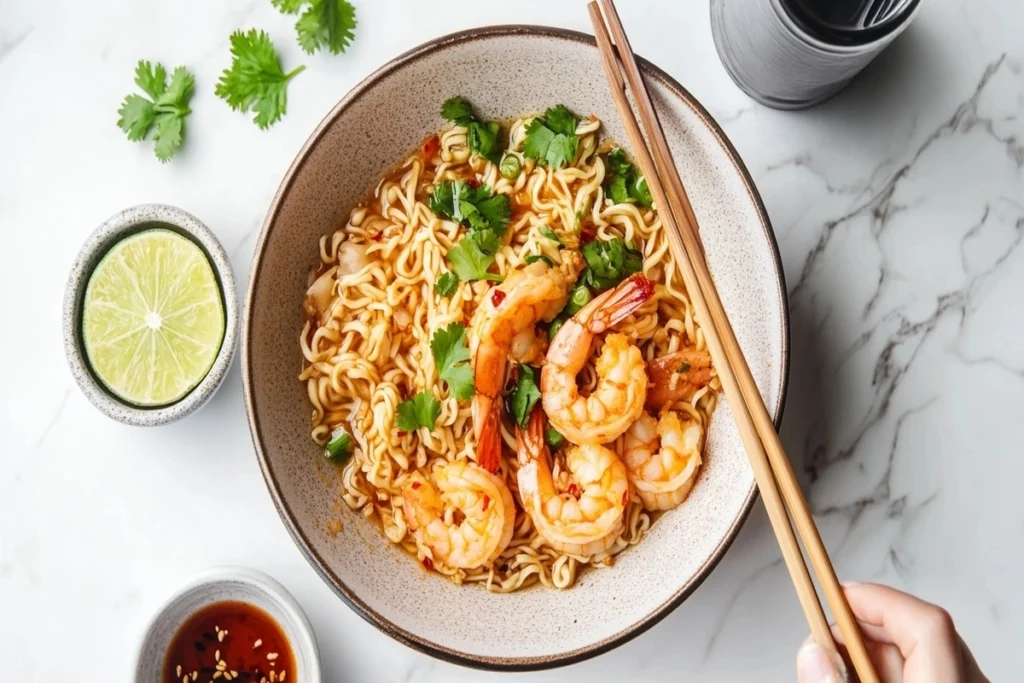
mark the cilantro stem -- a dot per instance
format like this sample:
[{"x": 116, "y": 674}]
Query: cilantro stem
[{"x": 294, "y": 72}]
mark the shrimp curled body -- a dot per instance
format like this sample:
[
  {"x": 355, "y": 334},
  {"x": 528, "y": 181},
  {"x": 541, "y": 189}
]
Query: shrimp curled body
[
  {"x": 618, "y": 400},
  {"x": 588, "y": 517},
  {"x": 662, "y": 458},
  {"x": 467, "y": 491}
]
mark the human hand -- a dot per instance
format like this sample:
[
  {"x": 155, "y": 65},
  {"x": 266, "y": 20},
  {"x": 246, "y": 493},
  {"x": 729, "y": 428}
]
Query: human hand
[{"x": 909, "y": 641}]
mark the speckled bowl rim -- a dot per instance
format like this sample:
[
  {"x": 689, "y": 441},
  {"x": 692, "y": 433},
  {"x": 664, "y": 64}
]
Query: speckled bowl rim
[
  {"x": 266, "y": 585},
  {"x": 117, "y": 227},
  {"x": 284, "y": 510}
]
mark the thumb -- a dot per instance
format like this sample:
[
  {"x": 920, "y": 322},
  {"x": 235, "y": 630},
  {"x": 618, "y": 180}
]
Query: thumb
[{"x": 813, "y": 665}]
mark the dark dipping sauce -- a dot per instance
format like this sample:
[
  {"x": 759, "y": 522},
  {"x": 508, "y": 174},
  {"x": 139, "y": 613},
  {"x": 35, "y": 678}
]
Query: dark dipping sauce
[{"x": 229, "y": 641}]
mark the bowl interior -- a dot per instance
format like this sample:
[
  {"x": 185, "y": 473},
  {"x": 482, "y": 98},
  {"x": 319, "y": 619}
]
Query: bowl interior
[{"x": 504, "y": 72}]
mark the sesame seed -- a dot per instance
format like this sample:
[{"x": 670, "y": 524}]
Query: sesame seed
[
  {"x": 220, "y": 636},
  {"x": 271, "y": 656},
  {"x": 195, "y": 675},
  {"x": 216, "y": 628},
  {"x": 281, "y": 677},
  {"x": 263, "y": 680},
  {"x": 222, "y": 665},
  {"x": 184, "y": 679},
  {"x": 259, "y": 641},
  {"x": 218, "y": 674},
  {"x": 234, "y": 674},
  {"x": 177, "y": 671},
  {"x": 216, "y": 655},
  {"x": 273, "y": 677}
]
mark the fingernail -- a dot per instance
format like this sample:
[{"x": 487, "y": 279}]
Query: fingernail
[
  {"x": 813, "y": 665},
  {"x": 851, "y": 584}
]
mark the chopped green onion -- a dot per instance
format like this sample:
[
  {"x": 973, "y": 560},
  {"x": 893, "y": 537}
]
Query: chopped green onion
[
  {"x": 550, "y": 234},
  {"x": 555, "y": 326},
  {"x": 578, "y": 298},
  {"x": 510, "y": 167},
  {"x": 533, "y": 258},
  {"x": 553, "y": 437},
  {"x": 339, "y": 447},
  {"x": 685, "y": 367}
]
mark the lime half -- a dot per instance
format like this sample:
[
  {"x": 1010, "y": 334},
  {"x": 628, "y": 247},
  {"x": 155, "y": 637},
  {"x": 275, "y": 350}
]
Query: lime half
[{"x": 152, "y": 319}]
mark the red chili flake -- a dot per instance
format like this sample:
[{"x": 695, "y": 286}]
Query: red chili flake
[
  {"x": 574, "y": 490},
  {"x": 487, "y": 502},
  {"x": 377, "y": 236},
  {"x": 497, "y": 296},
  {"x": 431, "y": 147},
  {"x": 416, "y": 485},
  {"x": 428, "y": 563},
  {"x": 473, "y": 182},
  {"x": 401, "y": 433},
  {"x": 625, "y": 497},
  {"x": 586, "y": 236}
]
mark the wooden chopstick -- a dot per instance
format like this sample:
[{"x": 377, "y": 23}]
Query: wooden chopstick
[{"x": 768, "y": 458}]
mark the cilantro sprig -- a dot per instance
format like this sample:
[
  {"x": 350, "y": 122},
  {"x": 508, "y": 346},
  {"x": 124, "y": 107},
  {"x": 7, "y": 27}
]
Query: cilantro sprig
[
  {"x": 551, "y": 139},
  {"x": 624, "y": 182},
  {"x": 324, "y": 23},
  {"x": 451, "y": 357},
  {"x": 524, "y": 396},
  {"x": 166, "y": 111},
  {"x": 609, "y": 262},
  {"x": 422, "y": 410},
  {"x": 482, "y": 135},
  {"x": 486, "y": 217},
  {"x": 446, "y": 284},
  {"x": 255, "y": 81},
  {"x": 473, "y": 256}
]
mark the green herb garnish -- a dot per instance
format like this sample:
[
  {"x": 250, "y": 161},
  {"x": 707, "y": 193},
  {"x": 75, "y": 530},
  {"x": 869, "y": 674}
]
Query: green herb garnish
[
  {"x": 166, "y": 111},
  {"x": 609, "y": 262},
  {"x": 451, "y": 357},
  {"x": 624, "y": 182},
  {"x": 553, "y": 437},
  {"x": 533, "y": 258},
  {"x": 255, "y": 81},
  {"x": 422, "y": 410},
  {"x": 473, "y": 255},
  {"x": 473, "y": 207},
  {"x": 446, "y": 284},
  {"x": 524, "y": 396},
  {"x": 339, "y": 446},
  {"x": 481, "y": 135},
  {"x": 578, "y": 298},
  {"x": 685, "y": 367},
  {"x": 510, "y": 167},
  {"x": 324, "y": 23},
  {"x": 551, "y": 139},
  {"x": 556, "y": 325},
  {"x": 550, "y": 234}
]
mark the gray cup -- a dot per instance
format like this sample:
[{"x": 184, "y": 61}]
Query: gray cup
[{"x": 780, "y": 62}]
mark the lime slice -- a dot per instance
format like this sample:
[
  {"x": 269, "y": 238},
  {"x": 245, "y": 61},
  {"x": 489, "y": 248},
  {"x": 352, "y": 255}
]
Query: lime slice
[{"x": 152, "y": 319}]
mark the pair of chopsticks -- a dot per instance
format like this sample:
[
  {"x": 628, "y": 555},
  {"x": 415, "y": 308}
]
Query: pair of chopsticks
[{"x": 771, "y": 466}]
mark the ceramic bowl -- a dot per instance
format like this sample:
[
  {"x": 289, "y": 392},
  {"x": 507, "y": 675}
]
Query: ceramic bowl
[
  {"x": 112, "y": 231},
  {"x": 235, "y": 584},
  {"x": 504, "y": 71}
]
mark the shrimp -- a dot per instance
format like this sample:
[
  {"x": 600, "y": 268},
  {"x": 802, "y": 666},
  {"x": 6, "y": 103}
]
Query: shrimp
[
  {"x": 676, "y": 376},
  {"x": 506, "y": 316},
  {"x": 622, "y": 380},
  {"x": 466, "y": 521},
  {"x": 587, "y": 517},
  {"x": 662, "y": 457}
]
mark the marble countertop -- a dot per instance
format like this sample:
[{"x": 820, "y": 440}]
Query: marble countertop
[{"x": 899, "y": 209}]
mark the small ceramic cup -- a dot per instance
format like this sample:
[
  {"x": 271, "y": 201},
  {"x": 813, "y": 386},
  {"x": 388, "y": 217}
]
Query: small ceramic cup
[
  {"x": 116, "y": 228},
  {"x": 235, "y": 584}
]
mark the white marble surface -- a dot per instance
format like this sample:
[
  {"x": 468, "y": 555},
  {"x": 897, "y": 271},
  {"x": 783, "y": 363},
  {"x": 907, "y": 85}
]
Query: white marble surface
[{"x": 899, "y": 208}]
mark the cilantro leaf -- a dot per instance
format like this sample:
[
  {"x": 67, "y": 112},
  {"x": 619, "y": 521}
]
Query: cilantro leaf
[
  {"x": 473, "y": 255},
  {"x": 446, "y": 284},
  {"x": 152, "y": 80},
  {"x": 255, "y": 81},
  {"x": 624, "y": 182},
  {"x": 553, "y": 437},
  {"x": 327, "y": 23},
  {"x": 457, "y": 110},
  {"x": 551, "y": 139},
  {"x": 288, "y": 6},
  {"x": 560, "y": 120},
  {"x": 422, "y": 410},
  {"x": 471, "y": 206},
  {"x": 137, "y": 115},
  {"x": 524, "y": 396},
  {"x": 483, "y": 139},
  {"x": 609, "y": 262},
  {"x": 451, "y": 357}
]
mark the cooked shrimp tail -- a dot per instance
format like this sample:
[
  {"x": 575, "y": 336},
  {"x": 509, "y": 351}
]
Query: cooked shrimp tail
[
  {"x": 488, "y": 445},
  {"x": 530, "y": 441},
  {"x": 614, "y": 306}
]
